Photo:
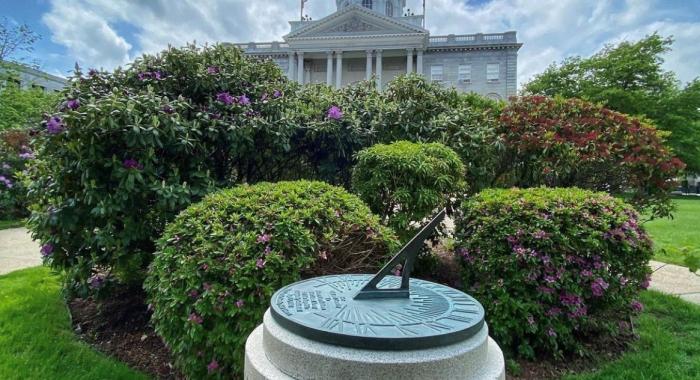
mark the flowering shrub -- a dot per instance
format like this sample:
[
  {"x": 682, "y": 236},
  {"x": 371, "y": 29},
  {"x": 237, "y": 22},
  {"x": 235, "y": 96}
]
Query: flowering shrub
[
  {"x": 406, "y": 182},
  {"x": 14, "y": 155},
  {"x": 569, "y": 142},
  {"x": 552, "y": 266},
  {"x": 219, "y": 262}
]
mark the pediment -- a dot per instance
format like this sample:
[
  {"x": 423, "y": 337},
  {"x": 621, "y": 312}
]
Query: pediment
[{"x": 355, "y": 20}]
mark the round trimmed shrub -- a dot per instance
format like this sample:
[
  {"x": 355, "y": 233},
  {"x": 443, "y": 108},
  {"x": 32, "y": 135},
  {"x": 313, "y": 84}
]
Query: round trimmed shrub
[
  {"x": 219, "y": 262},
  {"x": 405, "y": 182},
  {"x": 552, "y": 266}
]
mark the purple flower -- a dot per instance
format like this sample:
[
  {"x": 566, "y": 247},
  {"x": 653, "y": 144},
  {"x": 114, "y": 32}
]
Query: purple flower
[
  {"x": 240, "y": 304},
  {"x": 92, "y": 72},
  {"x": 268, "y": 250},
  {"x": 277, "y": 94},
  {"x": 243, "y": 100},
  {"x": 207, "y": 286},
  {"x": 194, "y": 293},
  {"x": 586, "y": 273},
  {"x": 580, "y": 311},
  {"x": 260, "y": 263},
  {"x": 6, "y": 181},
  {"x": 598, "y": 287},
  {"x": 130, "y": 163},
  {"x": 73, "y": 104},
  {"x": 570, "y": 299},
  {"x": 264, "y": 238},
  {"x": 54, "y": 125},
  {"x": 530, "y": 320},
  {"x": 47, "y": 249},
  {"x": 213, "y": 70},
  {"x": 196, "y": 319},
  {"x": 157, "y": 75},
  {"x": 545, "y": 290},
  {"x": 553, "y": 312},
  {"x": 623, "y": 281},
  {"x": 168, "y": 109},
  {"x": 334, "y": 113},
  {"x": 26, "y": 155},
  {"x": 224, "y": 97},
  {"x": 636, "y": 306},
  {"x": 213, "y": 366},
  {"x": 5, "y": 165},
  {"x": 551, "y": 332},
  {"x": 645, "y": 283}
]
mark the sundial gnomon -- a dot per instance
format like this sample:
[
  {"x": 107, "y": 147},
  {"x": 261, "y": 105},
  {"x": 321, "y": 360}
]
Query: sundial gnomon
[{"x": 379, "y": 311}]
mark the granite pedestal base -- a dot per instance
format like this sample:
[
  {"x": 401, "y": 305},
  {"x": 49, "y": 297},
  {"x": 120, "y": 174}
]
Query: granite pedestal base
[{"x": 274, "y": 353}]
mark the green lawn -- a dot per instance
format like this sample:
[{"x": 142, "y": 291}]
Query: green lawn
[
  {"x": 668, "y": 348},
  {"x": 36, "y": 339},
  {"x": 672, "y": 235},
  {"x": 11, "y": 224}
]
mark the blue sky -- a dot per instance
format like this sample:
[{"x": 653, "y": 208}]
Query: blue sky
[{"x": 108, "y": 33}]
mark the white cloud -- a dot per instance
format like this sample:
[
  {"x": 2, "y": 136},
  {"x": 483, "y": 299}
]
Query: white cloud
[
  {"x": 88, "y": 37},
  {"x": 550, "y": 29}
]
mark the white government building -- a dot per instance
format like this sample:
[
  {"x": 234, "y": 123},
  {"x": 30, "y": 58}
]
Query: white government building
[{"x": 378, "y": 37}]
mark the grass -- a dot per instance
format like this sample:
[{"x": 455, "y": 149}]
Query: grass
[
  {"x": 5, "y": 224},
  {"x": 671, "y": 236},
  {"x": 668, "y": 348},
  {"x": 36, "y": 339}
]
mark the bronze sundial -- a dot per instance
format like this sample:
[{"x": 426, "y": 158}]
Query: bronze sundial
[{"x": 381, "y": 311}]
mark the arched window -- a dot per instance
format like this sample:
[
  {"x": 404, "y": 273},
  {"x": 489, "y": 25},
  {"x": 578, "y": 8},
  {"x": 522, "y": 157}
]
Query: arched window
[
  {"x": 389, "y": 9},
  {"x": 367, "y": 4}
]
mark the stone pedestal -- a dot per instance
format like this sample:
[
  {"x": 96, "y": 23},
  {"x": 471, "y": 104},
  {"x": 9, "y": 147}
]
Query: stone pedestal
[{"x": 273, "y": 353}]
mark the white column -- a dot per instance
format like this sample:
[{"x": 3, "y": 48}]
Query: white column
[
  {"x": 300, "y": 67},
  {"x": 419, "y": 62},
  {"x": 379, "y": 70},
  {"x": 368, "y": 69},
  {"x": 292, "y": 66},
  {"x": 338, "y": 69},
  {"x": 329, "y": 68},
  {"x": 409, "y": 61}
]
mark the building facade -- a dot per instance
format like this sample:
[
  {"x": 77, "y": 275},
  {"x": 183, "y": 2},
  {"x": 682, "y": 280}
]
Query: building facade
[
  {"x": 377, "y": 39},
  {"x": 27, "y": 77}
]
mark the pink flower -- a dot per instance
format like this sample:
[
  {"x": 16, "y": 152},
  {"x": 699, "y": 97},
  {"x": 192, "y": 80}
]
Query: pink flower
[
  {"x": 598, "y": 287},
  {"x": 194, "y": 293},
  {"x": 213, "y": 366},
  {"x": 264, "y": 238},
  {"x": 207, "y": 286},
  {"x": 397, "y": 270},
  {"x": 530, "y": 320},
  {"x": 551, "y": 333},
  {"x": 260, "y": 263},
  {"x": 196, "y": 319},
  {"x": 323, "y": 255},
  {"x": 240, "y": 303},
  {"x": 213, "y": 70},
  {"x": 645, "y": 283}
]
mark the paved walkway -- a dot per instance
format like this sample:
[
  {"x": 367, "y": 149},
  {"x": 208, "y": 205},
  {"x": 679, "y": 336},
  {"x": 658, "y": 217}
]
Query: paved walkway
[
  {"x": 677, "y": 280},
  {"x": 17, "y": 251}
]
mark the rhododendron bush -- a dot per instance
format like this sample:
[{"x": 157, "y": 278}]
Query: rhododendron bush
[
  {"x": 128, "y": 150},
  {"x": 15, "y": 153},
  {"x": 554, "y": 266},
  {"x": 569, "y": 142},
  {"x": 219, "y": 262}
]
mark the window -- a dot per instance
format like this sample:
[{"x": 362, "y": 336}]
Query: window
[
  {"x": 389, "y": 9},
  {"x": 465, "y": 73},
  {"x": 493, "y": 72},
  {"x": 436, "y": 73},
  {"x": 367, "y": 4}
]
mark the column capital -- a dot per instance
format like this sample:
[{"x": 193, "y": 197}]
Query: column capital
[
  {"x": 410, "y": 50},
  {"x": 369, "y": 51},
  {"x": 300, "y": 53},
  {"x": 338, "y": 52}
]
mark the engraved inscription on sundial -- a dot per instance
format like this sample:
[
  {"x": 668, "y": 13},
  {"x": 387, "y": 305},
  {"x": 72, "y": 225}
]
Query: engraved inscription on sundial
[{"x": 381, "y": 311}]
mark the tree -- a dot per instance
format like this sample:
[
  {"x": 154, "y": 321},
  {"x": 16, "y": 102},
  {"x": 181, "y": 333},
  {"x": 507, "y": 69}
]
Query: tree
[
  {"x": 15, "y": 39},
  {"x": 22, "y": 107},
  {"x": 628, "y": 78}
]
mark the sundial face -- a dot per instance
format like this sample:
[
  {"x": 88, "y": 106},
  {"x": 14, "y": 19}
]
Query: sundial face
[{"x": 324, "y": 309}]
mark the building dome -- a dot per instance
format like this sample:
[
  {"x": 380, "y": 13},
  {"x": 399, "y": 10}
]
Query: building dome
[{"x": 391, "y": 8}]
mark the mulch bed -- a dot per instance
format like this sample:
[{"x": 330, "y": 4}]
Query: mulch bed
[{"x": 119, "y": 328}]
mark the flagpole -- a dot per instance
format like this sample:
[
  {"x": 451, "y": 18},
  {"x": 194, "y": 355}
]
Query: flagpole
[
  {"x": 424, "y": 13},
  {"x": 301, "y": 12}
]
